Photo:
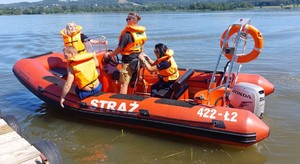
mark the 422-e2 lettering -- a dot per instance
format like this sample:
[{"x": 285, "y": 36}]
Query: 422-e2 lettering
[{"x": 213, "y": 113}]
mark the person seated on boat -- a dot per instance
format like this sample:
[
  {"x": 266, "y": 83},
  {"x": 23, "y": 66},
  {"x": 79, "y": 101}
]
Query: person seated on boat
[
  {"x": 72, "y": 36},
  {"x": 131, "y": 41},
  {"x": 165, "y": 65},
  {"x": 82, "y": 71}
]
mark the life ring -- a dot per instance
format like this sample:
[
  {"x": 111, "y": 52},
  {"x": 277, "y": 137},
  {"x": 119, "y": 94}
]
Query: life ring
[{"x": 258, "y": 43}]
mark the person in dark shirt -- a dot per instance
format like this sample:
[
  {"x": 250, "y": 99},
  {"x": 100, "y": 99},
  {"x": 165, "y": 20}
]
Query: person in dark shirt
[
  {"x": 131, "y": 41},
  {"x": 165, "y": 65}
]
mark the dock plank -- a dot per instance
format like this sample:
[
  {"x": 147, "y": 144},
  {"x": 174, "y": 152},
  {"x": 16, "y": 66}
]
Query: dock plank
[
  {"x": 28, "y": 154},
  {"x": 9, "y": 137},
  {"x": 14, "y": 148},
  {"x": 14, "y": 145},
  {"x": 4, "y": 128}
]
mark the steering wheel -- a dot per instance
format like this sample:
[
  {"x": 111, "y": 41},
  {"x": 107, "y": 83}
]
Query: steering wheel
[{"x": 113, "y": 61}]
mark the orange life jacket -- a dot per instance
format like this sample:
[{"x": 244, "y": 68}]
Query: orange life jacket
[
  {"x": 170, "y": 73},
  {"x": 74, "y": 40},
  {"x": 85, "y": 73},
  {"x": 139, "y": 38}
]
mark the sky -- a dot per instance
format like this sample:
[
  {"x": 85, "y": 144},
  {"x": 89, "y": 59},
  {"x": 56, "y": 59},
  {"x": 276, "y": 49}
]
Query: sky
[{"x": 16, "y": 1}]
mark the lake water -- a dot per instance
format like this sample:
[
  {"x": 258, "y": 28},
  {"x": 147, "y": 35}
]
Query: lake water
[{"x": 195, "y": 39}]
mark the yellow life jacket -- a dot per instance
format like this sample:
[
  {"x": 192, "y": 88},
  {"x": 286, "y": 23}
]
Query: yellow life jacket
[
  {"x": 139, "y": 38},
  {"x": 170, "y": 73},
  {"x": 85, "y": 73},
  {"x": 74, "y": 40}
]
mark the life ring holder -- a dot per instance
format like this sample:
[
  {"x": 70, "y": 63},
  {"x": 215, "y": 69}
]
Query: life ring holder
[{"x": 258, "y": 43}]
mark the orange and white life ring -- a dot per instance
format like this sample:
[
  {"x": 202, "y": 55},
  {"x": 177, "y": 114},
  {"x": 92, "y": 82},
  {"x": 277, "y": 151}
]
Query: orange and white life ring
[{"x": 258, "y": 43}]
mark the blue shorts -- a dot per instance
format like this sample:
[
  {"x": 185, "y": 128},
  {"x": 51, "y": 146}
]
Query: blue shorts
[{"x": 84, "y": 94}]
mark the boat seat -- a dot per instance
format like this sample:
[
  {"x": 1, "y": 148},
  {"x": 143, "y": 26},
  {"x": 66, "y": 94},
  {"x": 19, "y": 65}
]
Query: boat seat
[
  {"x": 178, "y": 88},
  {"x": 59, "y": 71}
]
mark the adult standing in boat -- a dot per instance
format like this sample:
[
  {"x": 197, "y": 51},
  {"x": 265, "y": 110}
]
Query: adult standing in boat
[
  {"x": 72, "y": 36},
  {"x": 131, "y": 41},
  {"x": 82, "y": 71},
  {"x": 165, "y": 65}
]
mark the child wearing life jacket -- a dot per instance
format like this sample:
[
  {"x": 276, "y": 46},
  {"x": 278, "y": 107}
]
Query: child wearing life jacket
[
  {"x": 72, "y": 36},
  {"x": 82, "y": 71}
]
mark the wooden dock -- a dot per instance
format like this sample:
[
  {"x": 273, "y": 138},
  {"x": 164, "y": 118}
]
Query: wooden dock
[{"x": 15, "y": 149}]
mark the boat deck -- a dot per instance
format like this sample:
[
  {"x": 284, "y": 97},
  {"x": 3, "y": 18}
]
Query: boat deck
[{"x": 14, "y": 148}]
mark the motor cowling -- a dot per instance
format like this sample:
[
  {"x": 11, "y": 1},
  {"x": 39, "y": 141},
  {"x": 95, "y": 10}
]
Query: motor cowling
[{"x": 249, "y": 97}]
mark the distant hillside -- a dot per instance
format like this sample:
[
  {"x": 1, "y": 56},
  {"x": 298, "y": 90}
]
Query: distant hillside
[
  {"x": 96, "y": 6},
  {"x": 85, "y": 3},
  {"x": 104, "y": 2},
  {"x": 63, "y": 3}
]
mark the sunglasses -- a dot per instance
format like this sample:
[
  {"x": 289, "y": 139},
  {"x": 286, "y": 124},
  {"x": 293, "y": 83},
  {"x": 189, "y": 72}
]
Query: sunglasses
[{"x": 127, "y": 19}]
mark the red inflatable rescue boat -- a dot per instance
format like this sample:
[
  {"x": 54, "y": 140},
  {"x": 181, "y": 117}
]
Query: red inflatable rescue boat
[{"x": 219, "y": 106}]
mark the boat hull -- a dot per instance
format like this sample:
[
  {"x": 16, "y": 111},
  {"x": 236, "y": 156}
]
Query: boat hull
[{"x": 183, "y": 117}]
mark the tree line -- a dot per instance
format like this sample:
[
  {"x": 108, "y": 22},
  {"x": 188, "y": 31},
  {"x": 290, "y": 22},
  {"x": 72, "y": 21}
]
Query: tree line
[
  {"x": 124, "y": 8},
  {"x": 207, "y": 6}
]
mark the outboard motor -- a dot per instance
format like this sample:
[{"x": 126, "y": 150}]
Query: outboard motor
[{"x": 249, "y": 97}]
